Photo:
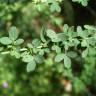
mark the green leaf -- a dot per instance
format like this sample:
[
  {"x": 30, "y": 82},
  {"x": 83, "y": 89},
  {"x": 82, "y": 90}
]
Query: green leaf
[
  {"x": 62, "y": 37},
  {"x": 46, "y": 50},
  {"x": 80, "y": 32},
  {"x": 55, "y": 7},
  {"x": 29, "y": 45},
  {"x": 89, "y": 27},
  {"x": 85, "y": 53},
  {"x": 65, "y": 28},
  {"x": 13, "y": 35},
  {"x": 84, "y": 43},
  {"x": 76, "y": 42},
  {"x": 36, "y": 43},
  {"x": 52, "y": 35},
  {"x": 19, "y": 41},
  {"x": 72, "y": 54},
  {"x": 5, "y": 40},
  {"x": 15, "y": 53},
  {"x": 71, "y": 32},
  {"x": 91, "y": 41},
  {"x": 38, "y": 58},
  {"x": 31, "y": 66},
  {"x": 66, "y": 45},
  {"x": 42, "y": 35},
  {"x": 59, "y": 57},
  {"x": 56, "y": 48},
  {"x": 27, "y": 58},
  {"x": 83, "y": 2},
  {"x": 67, "y": 61},
  {"x": 41, "y": 52}
]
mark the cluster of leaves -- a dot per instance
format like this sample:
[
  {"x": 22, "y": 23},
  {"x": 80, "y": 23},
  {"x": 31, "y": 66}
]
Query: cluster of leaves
[
  {"x": 65, "y": 44},
  {"x": 69, "y": 45},
  {"x": 54, "y": 5},
  {"x": 83, "y": 2}
]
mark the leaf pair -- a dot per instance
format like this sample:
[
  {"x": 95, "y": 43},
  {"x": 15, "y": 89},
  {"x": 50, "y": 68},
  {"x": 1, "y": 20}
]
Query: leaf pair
[
  {"x": 67, "y": 61},
  {"x": 13, "y": 35},
  {"x": 52, "y": 35},
  {"x": 54, "y": 6},
  {"x": 83, "y": 2},
  {"x": 31, "y": 64}
]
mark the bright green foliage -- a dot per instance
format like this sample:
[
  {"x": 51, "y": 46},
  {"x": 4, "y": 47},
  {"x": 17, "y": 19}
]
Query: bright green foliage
[
  {"x": 27, "y": 58},
  {"x": 12, "y": 39},
  {"x": 36, "y": 50},
  {"x": 56, "y": 48},
  {"x": 59, "y": 57},
  {"x": 42, "y": 35},
  {"x": 54, "y": 6},
  {"x": 5, "y": 40},
  {"x": 31, "y": 66},
  {"x": 13, "y": 35},
  {"x": 52, "y": 35},
  {"x": 83, "y": 2},
  {"x": 19, "y": 41},
  {"x": 85, "y": 53},
  {"x": 66, "y": 51},
  {"x": 67, "y": 61}
]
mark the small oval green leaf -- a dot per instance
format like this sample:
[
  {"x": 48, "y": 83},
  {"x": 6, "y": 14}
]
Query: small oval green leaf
[
  {"x": 13, "y": 35},
  {"x": 5, "y": 40},
  {"x": 31, "y": 66},
  {"x": 59, "y": 57}
]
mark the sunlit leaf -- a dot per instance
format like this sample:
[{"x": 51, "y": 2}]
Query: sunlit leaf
[
  {"x": 5, "y": 40},
  {"x": 31, "y": 66},
  {"x": 59, "y": 57},
  {"x": 67, "y": 61},
  {"x": 13, "y": 34}
]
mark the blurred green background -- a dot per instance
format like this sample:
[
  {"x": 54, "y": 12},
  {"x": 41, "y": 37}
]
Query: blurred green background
[{"x": 49, "y": 78}]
